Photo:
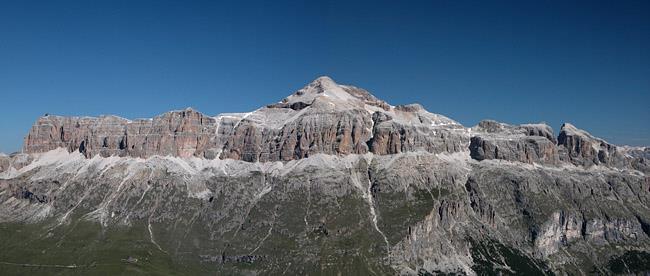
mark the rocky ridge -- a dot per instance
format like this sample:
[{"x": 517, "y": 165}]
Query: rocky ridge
[{"x": 322, "y": 117}]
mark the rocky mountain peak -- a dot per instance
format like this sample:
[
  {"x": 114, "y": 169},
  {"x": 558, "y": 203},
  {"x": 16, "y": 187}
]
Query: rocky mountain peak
[
  {"x": 325, "y": 93},
  {"x": 570, "y": 129},
  {"x": 324, "y": 82},
  {"x": 323, "y": 117}
]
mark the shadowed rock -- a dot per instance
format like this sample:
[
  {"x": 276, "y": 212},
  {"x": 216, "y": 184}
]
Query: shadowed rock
[
  {"x": 581, "y": 148},
  {"x": 525, "y": 143}
]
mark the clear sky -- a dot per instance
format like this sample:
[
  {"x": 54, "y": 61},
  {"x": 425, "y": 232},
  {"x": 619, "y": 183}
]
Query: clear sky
[{"x": 583, "y": 62}]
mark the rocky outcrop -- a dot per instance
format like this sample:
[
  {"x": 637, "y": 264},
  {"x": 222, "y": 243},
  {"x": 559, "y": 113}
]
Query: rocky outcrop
[
  {"x": 535, "y": 143},
  {"x": 15, "y": 161},
  {"x": 328, "y": 133},
  {"x": 560, "y": 230},
  {"x": 178, "y": 133},
  {"x": 563, "y": 229},
  {"x": 5, "y": 162},
  {"x": 637, "y": 157},
  {"x": 542, "y": 130},
  {"x": 581, "y": 148},
  {"x": 531, "y": 143},
  {"x": 410, "y": 128}
]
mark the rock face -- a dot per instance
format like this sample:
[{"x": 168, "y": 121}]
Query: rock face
[
  {"x": 535, "y": 143},
  {"x": 178, "y": 133},
  {"x": 330, "y": 180},
  {"x": 5, "y": 162},
  {"x": 581, "y": 148},
  {"x": 525, "y": 143},
  {"x": 323, "y": 117},
  {"x": 14, "y": 161}
]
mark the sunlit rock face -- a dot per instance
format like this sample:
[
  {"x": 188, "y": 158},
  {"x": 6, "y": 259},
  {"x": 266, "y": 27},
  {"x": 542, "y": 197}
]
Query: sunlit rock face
[
  {"x": 530, "y": 143},
  {"x": 330, "y": 180},
  {"x": 179, "y": 133},
  {"x": 323, "y": 117}
]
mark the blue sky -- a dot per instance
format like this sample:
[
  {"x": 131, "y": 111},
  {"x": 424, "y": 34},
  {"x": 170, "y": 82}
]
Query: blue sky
[{"x": 554, "y": 61}]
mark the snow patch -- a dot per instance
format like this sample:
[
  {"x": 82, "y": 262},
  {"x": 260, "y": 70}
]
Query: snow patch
[
  {"x": 264, "y": 191},
  {"x": 9, "y": 173},
  {"x": 366, "y": 193}
]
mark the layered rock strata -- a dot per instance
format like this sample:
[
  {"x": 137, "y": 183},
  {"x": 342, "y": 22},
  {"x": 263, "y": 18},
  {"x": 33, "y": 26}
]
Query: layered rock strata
[
  {"x": 329, "y": 118},
  {"x": 323, "y": 117},
  {"x": 531, "y": 143}
]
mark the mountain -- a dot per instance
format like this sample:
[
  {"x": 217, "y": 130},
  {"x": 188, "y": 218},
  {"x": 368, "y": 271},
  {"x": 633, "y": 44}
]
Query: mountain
[
  {"x": 330, "y": 180},
  {"x": 323, "y": 117}
]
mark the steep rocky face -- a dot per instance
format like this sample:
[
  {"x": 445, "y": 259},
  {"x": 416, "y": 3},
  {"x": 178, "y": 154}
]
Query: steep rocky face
[
  {"x": 323, "y": 117},
  {"x": 581, "y": 148},
  {"x": 13, "y": 162},
  {"x": 638, "y": 157},
  {"x": 330, "y": 180},
  {"x": 309, "y": 134},
  {"x": 410, "y": 128},
  {"x": 526, "y": 143},
  {"x": 5, "y": 162},
  {"x": 178, "y": 133},
  {"x": 535, "y": 143}
]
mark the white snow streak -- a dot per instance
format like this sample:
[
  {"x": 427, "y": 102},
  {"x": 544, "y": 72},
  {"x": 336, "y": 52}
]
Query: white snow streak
[
  {"x": 264, "y": 191},
  {"x": 367, "y": 195},
  {"x": 152, "y": 239},
  {"x": 265, "y": 237}
]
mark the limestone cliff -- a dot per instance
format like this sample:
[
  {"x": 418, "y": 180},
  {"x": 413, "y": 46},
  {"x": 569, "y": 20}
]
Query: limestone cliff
[{"x": 323, "y": 117}]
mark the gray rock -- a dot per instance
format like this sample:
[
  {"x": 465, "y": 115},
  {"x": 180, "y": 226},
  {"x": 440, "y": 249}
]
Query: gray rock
[
  {"x": 526, "y": 143},
  {"x": 409, "y": 213},
  {"x": 581, "y": 148},
  {"x": 322, "y": 117},
  {"x": 178, "y": 133}
]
